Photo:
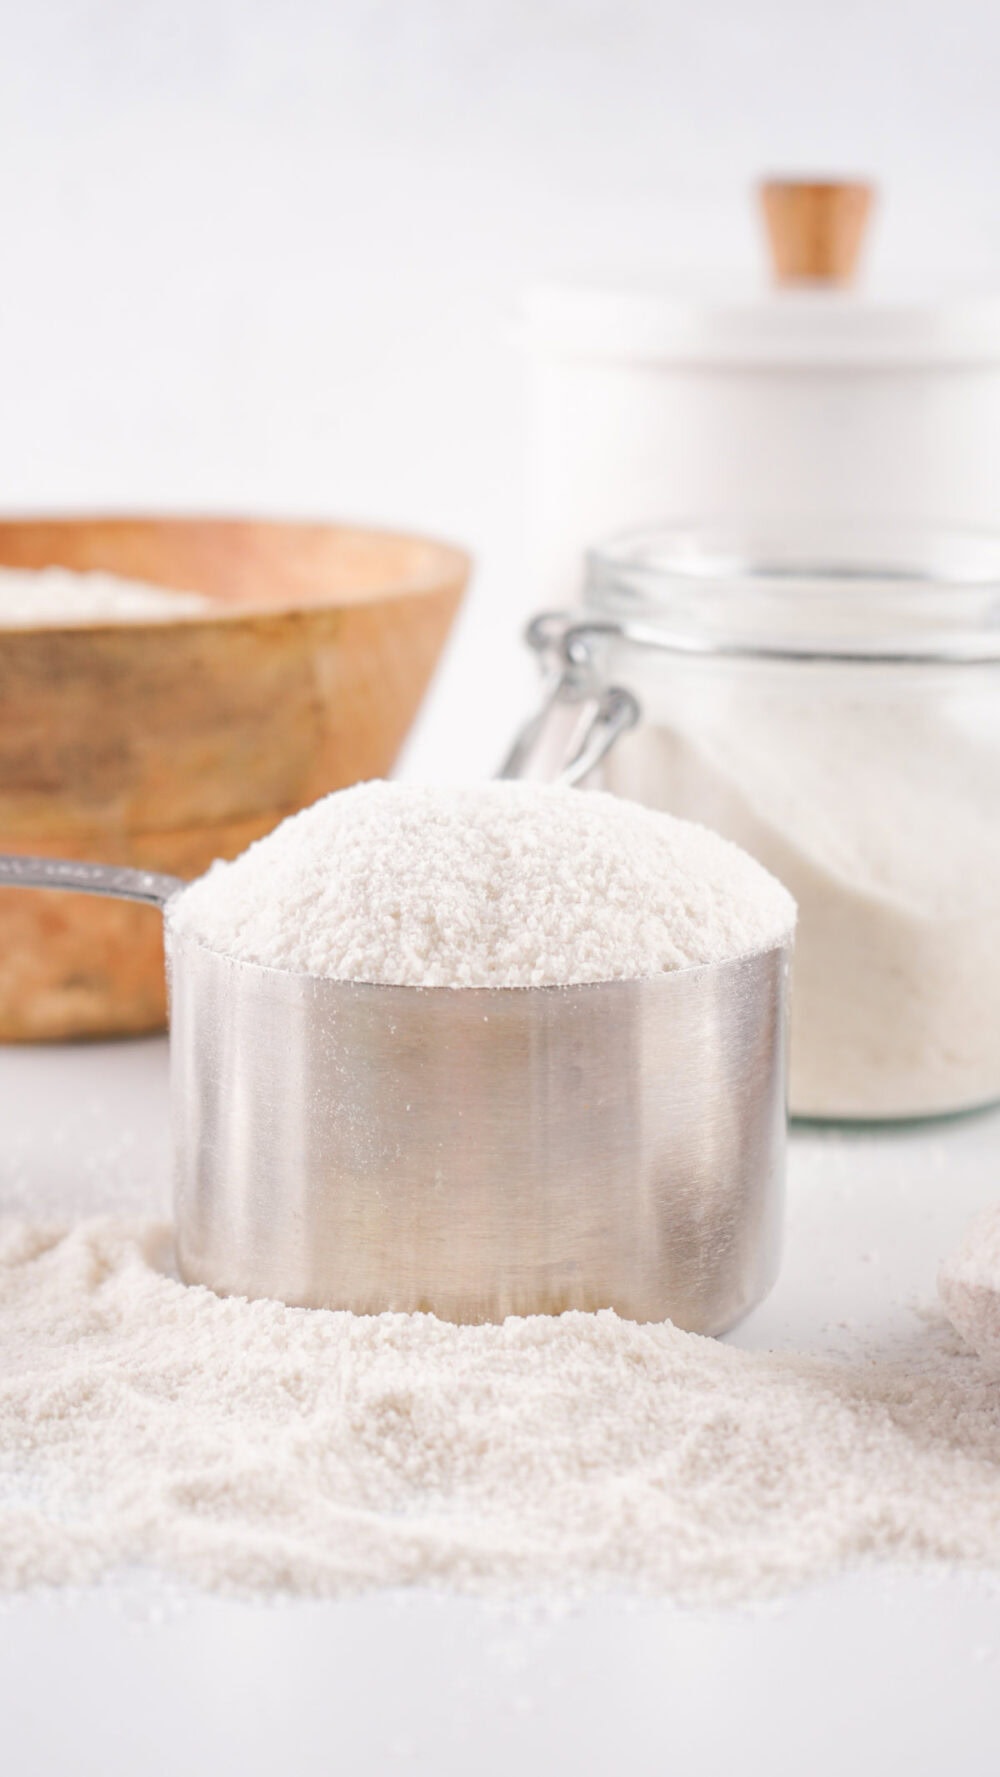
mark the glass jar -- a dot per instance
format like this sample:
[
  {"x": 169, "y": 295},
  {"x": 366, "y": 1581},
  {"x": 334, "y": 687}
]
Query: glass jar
[{"x": 829, "y": 698}]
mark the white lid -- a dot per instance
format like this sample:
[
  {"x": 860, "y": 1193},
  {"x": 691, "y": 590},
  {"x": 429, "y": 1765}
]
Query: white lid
[{"x": 787, "y": 326}]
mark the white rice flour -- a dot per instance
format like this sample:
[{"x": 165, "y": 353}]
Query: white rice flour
[
  {"x": 58, "y": 597},
  {"x": 495, "y": 885},
  {"x": 249, "y": 1446},
  {"x": 969, "y": 1285},
  {"x": 882, "y": 816}
]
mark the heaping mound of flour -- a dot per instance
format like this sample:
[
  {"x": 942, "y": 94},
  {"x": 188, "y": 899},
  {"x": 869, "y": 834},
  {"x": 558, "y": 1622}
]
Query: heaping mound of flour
[
  {"x": 969, "y": 1286},
  {"x": 58, "y": 597},
  {"x": 254, "y": 1447},
  {"x": 493, "y": 885}
]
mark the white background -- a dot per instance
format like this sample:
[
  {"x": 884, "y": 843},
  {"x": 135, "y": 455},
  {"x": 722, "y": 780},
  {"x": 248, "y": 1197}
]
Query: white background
[
  {"x": 266, "y": 254},
  {"x": 267, "y": 257}
]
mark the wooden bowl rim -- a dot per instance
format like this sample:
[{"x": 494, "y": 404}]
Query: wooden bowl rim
[{"x": 447, "y": 569}]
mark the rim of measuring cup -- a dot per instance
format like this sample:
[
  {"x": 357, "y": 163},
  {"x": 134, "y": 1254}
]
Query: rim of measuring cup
[{"x": 857, "y": 590}]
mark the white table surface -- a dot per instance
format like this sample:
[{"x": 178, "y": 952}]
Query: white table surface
[{"x": 871, "y": 1673}]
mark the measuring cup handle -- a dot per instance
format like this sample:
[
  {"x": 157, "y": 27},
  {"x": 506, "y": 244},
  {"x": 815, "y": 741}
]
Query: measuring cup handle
[{"x": 89, "y": 879}]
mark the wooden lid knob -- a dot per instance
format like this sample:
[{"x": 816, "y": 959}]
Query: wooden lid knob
[{"x": 816, "y": 228}]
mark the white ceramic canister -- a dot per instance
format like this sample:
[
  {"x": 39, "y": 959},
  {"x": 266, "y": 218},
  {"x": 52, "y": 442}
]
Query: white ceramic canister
[{"x": 804, "y": 401}]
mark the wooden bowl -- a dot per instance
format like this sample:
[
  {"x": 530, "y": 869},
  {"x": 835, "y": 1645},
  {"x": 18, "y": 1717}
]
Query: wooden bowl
[{"x": 166, "y": 744}]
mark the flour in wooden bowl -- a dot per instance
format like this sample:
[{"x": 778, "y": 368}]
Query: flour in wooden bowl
[{"x": 57, "y": 598}]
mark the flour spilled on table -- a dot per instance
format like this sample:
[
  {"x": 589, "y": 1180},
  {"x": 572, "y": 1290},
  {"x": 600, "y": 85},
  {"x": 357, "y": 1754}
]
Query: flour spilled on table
[
  {"x": 256, "y": 1448},
  {"x": 969, "y": 1287}
]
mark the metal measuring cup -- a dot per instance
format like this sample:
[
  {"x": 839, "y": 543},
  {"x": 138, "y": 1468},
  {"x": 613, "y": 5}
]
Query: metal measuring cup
[{"x": 474, "y": 1152}]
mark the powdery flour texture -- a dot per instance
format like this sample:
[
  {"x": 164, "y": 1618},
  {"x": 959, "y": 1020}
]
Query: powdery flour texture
[
  {"x": 494, "y": 885},
  {"x": 58, "y": 597},
  {"x": 969, "y": 1285},
  {"x": 249, "y": 1446},
  {"x": 883, "y": 819}
]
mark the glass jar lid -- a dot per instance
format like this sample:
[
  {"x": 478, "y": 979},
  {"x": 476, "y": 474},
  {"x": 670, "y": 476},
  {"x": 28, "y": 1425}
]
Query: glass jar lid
[{"x": 809, "y": 589}]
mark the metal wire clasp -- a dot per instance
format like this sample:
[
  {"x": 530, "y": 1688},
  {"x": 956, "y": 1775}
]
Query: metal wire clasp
[{"x": 579, "y": 718}]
